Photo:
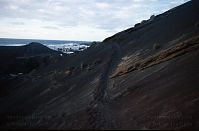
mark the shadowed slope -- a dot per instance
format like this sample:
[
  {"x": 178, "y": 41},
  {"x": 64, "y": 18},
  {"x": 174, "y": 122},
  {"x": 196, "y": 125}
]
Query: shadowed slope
[{"x": 145, "y": 77}]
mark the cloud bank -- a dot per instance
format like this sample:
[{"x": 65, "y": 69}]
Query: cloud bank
[{"x": 75, "y": 19}]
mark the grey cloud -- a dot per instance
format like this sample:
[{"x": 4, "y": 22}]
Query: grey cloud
[
  {"x": 103, "y": 14},
  {"x": 51, "y": 27},
  {"x": 17, "y": 23}
]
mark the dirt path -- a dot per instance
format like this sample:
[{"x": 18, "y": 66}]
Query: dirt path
[{"x": 101, "y": 116}]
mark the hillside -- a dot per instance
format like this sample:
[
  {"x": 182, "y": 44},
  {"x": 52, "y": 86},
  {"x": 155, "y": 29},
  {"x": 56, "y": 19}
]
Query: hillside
[
  {"x": 14, "y": 58},
  {"x": 145, "y": 77},
  {"x": 18, "y": 60}
]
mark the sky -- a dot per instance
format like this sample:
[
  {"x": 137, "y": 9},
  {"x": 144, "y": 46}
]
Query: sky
[{"x": 87, "y": 20}]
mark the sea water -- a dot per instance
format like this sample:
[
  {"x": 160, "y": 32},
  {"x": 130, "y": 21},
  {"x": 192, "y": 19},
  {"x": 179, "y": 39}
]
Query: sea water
[{"x": 65, "y": 46}]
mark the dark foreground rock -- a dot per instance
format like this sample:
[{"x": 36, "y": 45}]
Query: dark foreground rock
[{"x": 145, "y": 77}]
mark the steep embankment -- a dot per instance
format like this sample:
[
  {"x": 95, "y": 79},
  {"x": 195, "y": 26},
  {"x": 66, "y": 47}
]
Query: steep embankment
[
  {"x": 145, "y": 77},
  {"x": 155, "y": 85}
]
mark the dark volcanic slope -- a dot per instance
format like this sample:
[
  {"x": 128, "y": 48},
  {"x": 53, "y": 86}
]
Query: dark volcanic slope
[
  {"x": 145, "y": 77},
  {"x": 15, "y": 58},
  {"x": 18, "y": 60}
]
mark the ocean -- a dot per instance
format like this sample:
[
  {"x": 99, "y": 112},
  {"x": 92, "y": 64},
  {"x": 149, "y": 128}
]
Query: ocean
[{"x": 61, "y": 45}]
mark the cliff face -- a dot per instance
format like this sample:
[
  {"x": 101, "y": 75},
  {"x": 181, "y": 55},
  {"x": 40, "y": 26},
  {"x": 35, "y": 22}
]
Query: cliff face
[{"x": 145, "y": 77}]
